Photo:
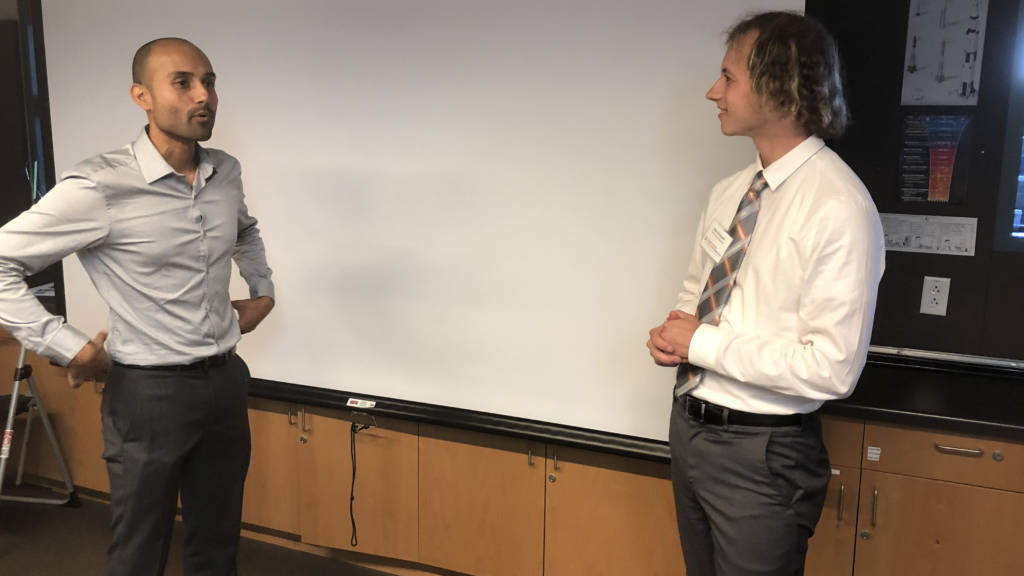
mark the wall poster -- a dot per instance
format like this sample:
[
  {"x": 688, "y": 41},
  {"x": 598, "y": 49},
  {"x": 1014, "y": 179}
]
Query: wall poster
[
  {"x": 945, "y": 41},
  {"x": 934, "y": 159}
]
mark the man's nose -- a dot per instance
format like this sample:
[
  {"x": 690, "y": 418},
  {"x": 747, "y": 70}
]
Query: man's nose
[{"x": 715, "y": 93}]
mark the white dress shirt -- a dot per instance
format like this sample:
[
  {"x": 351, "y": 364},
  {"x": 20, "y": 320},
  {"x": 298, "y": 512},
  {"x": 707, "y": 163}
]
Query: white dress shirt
[
  {"x": 796, "y": 328},
  {"x": 158, "y": 249}
]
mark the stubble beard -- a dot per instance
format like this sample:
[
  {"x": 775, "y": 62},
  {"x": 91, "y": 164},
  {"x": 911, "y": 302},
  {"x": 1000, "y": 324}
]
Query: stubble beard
[{"x": 189, "y": 128}]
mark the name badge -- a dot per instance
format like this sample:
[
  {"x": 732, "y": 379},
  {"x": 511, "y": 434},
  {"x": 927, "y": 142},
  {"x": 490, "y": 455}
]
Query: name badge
[{"x": 716, "y": 242}]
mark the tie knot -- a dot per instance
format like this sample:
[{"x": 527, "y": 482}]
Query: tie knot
[{"x": 759, "y": 183}]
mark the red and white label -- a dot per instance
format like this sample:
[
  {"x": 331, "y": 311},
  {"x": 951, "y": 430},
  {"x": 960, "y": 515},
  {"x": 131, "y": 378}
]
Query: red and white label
[
  {"x": 6, "y": 450},
  {"x": 357, "y": 403}
]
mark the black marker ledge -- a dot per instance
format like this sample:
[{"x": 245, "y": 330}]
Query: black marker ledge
[{"x": 943, "y": 395}]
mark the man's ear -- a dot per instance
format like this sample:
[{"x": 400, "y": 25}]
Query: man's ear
[{"x": 142, "y": 97}]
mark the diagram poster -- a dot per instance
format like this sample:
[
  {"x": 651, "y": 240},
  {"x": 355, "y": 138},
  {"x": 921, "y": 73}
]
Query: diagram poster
[
  {"x": 934, "y": 159},
  {"x": 945, "y": 41}
]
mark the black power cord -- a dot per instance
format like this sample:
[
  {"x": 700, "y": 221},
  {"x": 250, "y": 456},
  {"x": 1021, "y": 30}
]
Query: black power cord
[{"x": 356, "y": 429}]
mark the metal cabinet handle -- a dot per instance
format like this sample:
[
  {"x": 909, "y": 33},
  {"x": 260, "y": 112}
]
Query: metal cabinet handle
[
  {"x": 874, "y": 510},
  {"x": 959, "y": 451},
  {"x": 554, "y": 453},
  {"x": 842, "y": 498},
  {"x": 529, "y": 455},
  {"x": 304, "y": 429},
  {"x": 290, "y": 414}
]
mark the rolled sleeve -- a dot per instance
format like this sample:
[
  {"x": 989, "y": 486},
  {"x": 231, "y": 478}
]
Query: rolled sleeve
[
  {"x": 262, "y": 287},
  {"x": 251, "y": 257},
  {"x": 65, "y": 344}
]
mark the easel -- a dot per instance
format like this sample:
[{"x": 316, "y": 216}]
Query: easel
[{"x": 28, "y": 403}]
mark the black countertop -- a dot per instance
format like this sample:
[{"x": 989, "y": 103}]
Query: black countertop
[{"x": 946, "y": 395}]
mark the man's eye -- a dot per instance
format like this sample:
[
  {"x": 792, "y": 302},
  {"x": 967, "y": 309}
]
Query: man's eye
[{"x": 182, "y": 83}]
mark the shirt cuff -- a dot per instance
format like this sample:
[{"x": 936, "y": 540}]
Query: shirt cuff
[
  {"x": 704, "y": 346},
  {"x": 65, "y": 345},
  {"x": 686, "y": 303},
  {"x": 262, "y": 287}
]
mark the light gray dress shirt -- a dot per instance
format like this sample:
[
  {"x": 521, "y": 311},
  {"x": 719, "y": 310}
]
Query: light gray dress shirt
[{"x": 158, "y": 251}]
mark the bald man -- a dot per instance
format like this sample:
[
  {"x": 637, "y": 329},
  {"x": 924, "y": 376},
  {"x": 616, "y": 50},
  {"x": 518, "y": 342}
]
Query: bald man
[{"x": 156, "y": 225}]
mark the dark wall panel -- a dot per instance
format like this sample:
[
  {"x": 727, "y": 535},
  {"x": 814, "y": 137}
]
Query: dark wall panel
[
  {"x": 15, "y": 191},
  {"x": 872, "y": 38}
]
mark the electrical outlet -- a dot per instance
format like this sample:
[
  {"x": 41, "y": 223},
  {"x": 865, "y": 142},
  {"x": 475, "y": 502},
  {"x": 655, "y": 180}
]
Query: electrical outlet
[{"x": 935, "y": 296}]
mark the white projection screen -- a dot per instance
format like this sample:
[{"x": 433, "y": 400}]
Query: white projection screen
[{"x": 479, "y": 204}]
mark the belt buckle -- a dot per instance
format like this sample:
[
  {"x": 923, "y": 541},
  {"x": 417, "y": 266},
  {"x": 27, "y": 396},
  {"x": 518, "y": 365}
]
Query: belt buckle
[{"x": 703, "y": 405}]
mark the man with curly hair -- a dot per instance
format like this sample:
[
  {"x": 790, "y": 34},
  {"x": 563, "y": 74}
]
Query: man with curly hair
[{"x": 776, "y": 310}]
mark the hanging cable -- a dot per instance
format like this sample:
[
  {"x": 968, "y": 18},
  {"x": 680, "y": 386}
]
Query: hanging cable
[{"x": 356, "y": 429}]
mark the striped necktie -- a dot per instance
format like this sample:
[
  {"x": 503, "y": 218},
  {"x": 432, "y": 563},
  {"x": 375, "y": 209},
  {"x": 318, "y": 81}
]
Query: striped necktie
[{"x": 723, "y": 276}]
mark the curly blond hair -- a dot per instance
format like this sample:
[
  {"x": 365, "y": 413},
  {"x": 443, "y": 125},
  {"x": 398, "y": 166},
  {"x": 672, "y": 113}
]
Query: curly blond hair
[{"x": 795, "y": 70}]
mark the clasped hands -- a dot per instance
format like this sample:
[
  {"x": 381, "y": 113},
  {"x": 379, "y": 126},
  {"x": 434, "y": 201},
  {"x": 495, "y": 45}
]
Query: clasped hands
[{"x": 670, "y": 343}]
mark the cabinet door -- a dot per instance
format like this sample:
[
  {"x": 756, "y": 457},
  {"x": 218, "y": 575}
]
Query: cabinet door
[
  {"x": 609, "y": 515},
  {"x": 481, "y": 503},
  {"x": 272, "y": 486},
  {"x": 830, "y": 551},
  {"x": 385, "y": 507},
  {"x": 934, "y": 528}
]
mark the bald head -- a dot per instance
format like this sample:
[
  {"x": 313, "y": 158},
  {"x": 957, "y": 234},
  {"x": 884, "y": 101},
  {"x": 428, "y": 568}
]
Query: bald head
[
  {"x": 140, "y": 64},
  {"x": 174, "y": 82}
]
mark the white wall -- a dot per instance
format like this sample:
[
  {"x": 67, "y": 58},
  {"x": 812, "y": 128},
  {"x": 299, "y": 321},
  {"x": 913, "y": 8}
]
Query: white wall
[{"x": 479, "y": 204}]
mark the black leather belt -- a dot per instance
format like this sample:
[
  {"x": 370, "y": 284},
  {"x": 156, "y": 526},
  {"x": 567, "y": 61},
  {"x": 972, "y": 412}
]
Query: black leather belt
[
  {"x": 716, "y": 415},
  {"x": 204, "y": 364}
]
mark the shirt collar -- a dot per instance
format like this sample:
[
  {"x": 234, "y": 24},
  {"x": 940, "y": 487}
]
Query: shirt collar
[
  {"x": 206, "y": 167},
  {"x": 784, "y": 167},
  {"x": 153, "y": 165}
]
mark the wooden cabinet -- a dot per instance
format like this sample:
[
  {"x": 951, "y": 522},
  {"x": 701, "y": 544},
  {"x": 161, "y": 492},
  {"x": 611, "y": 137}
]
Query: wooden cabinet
[
  {"x": 942, "y": 456},
  {"x": 386, "y": 487},
  {"x": 831, "y": 550},
  {"x": 608, "y": 516},
  {"x": 920, "y": 527},
  {"x": 272, "y": 486},
  {"x": 481, "y": 503},
  {"x": 934, "y": 503},
  {"x": 844, "y": 439},
  {"x": 486, "y": 505},
  {"x": 300, "y": 479}
]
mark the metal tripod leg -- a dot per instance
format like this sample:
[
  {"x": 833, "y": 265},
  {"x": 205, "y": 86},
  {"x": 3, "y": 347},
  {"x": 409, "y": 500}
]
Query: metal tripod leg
[
  {"x": 36, "y": 403},
  {"x": 24, "y": 442},
  {"x": 5, "y": 443}
]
